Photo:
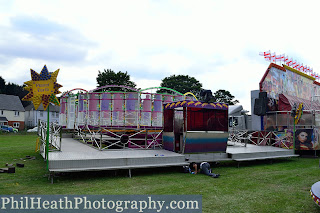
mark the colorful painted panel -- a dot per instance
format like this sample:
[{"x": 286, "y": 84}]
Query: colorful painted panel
[
  {"x": 168, "y": 141},
  {"x": 285, "y": 139},
  {"x": 291, "y": 82},
  {"x": 298, "y": 86},
  {"x": 306, "y": 140},
  {"x": 316, "y": 92},
  {"x": 274, "y": 82},
  {"x": 196, "y": 104},
  {"x": 206, "y": 142}
]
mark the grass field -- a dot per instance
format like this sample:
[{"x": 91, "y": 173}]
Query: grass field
[{"x": 282, "y": 186}]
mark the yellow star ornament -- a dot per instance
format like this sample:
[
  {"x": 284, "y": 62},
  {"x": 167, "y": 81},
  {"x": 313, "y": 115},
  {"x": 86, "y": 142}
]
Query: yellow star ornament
[{"x": 42, "y": 88}]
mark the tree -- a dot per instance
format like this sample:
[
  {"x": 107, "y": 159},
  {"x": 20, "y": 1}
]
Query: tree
[
  {"x": 17, "y": 90},
  {"x": 224, "y": 96},
  {"x": 181, "y": 83},
  {"x": 2, "y": 86},
  {"x": 13, "y": 89},
  {"x": 109, "y": 77}
]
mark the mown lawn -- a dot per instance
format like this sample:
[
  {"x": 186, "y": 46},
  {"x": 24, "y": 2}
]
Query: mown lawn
[{"x": 282, "y": 186}]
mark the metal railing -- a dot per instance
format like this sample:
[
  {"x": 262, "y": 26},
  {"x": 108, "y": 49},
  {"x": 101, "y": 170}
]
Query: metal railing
[
  {"x": 110, "y": 138},
  {"x": 261, "y": 138},
  {"x": 55, "y": 136}
]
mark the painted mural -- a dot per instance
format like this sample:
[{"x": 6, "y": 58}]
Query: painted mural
[
  {"x": 285, "y": 139},
  {"x": 317, "y": 94},
  {"x": 272, "y": 83},
  {"x": 305, "y": 139},
  {"x": 291, "y": 83},
  {"x": 298, "y": 85}
]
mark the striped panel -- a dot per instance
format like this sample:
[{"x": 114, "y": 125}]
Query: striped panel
[
  {"x": 206, "y": 142},
  {"x": 168, "y": 141}
]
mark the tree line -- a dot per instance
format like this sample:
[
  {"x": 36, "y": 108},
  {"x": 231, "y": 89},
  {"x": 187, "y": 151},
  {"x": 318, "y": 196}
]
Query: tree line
[{"x": 13, "y": 89}]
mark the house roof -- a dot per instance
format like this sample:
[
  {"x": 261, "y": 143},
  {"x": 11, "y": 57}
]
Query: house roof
[
  {"x": 3, "y": 119},
  {"x": 10, "y": 102},
  {"x": 52, "y": 108}
]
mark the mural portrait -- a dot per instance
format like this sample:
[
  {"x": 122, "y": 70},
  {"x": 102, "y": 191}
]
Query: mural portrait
[{"x": 304, "y": 139}]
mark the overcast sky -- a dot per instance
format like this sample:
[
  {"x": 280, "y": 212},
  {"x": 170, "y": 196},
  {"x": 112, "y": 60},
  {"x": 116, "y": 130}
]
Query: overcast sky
[{"x": 217, "y": 42}]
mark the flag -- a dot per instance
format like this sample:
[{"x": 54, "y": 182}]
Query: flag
[
  {"x": 301, "y": 67},
  {"x": 267, "y": 58},
  {"x": 286, "y": 59},
  {"x": 265, "y": 53},
  {"x": 294, "y": 64},
  {"x": 273, "y": 57},
  {"x": 312, "y": 74},
  {"x": 279, "y": 57},
  {"x": 289, "y": 62},
  {"x": 306, "y": 68}
]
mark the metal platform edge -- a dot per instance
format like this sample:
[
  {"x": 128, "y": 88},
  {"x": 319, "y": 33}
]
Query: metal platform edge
[{"x": 118, "y": 167}]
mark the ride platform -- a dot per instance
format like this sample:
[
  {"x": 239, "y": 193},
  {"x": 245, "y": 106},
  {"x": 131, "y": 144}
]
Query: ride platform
[
  {"x": 76, "y": 156},
  {"x": 240, "y": 152}
]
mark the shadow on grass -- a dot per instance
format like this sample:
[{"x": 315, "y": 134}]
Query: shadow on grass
[
  {"x": 123, "y": 173},
  {"x": 227, "y": 164}
]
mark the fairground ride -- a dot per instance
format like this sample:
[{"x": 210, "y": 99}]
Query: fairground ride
[{"x": 120, "y": 119}]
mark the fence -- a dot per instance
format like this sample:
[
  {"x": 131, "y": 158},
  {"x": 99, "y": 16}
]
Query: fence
[{"x": 55, "y": 135}]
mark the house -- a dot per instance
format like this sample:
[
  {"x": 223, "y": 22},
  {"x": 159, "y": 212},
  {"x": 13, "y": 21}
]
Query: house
[
  {"x": 11, "y": 111},
  {"x": 32, "y": 116},
  {"x": 3, "y": 121}
]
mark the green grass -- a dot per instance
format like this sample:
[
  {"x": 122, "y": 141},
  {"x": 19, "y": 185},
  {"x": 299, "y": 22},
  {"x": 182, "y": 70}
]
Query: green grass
[{"x": 254, "y": 187}]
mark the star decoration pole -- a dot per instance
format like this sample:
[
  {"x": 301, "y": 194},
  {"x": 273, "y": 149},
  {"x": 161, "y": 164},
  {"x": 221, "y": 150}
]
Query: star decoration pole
[{"x": 43, "y": 89}]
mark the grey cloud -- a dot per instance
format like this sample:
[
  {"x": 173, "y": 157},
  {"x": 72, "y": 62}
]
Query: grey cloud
[
  {"x": 38, "y": 38},
  {"x": 44, "y": 50},
  {"x": 37, "y": 26}
]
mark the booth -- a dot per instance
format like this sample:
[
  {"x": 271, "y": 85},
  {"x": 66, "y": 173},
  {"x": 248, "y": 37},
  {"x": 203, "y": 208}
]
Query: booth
[{"x": 195, "y": 127}]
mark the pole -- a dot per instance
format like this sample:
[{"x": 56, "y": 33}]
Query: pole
[
  {"x": 294, "y": 135},
  {"x": 293, "y": 114},
  {"x": 47, "y": 138}
]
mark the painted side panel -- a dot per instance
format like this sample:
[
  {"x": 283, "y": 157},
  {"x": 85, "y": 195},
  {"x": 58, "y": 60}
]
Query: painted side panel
[
  {"x": 206, "y": 142},
  {"x": 168, "y": 141}
]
